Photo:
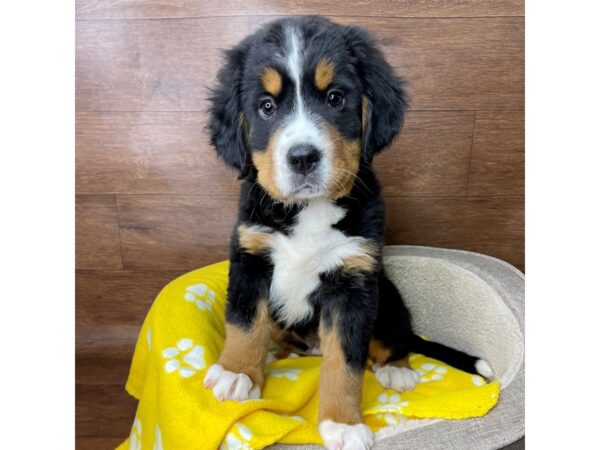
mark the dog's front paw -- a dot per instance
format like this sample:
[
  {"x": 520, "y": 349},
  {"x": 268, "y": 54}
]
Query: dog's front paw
[
  {"x": 341, "y": 436},
  {"x": 228, "y": 385},
  {"x": 397, "y": 378}
]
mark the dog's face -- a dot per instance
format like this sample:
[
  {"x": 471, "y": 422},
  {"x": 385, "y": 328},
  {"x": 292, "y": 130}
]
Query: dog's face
[{"x": 302, "y": 102}]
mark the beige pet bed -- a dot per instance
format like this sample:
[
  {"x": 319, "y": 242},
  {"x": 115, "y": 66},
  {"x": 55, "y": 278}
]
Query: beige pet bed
[{"x": 475, "y": 303}]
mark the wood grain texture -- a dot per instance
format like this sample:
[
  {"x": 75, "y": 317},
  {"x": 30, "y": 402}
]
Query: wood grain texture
[
  {"x": 452, "y": 64},
  {"x": 431, "y": 156},
  {"x": 145, "y": 152},
  {"x": 490, "y": 225},
  {"x": 97, "y": 232},
  {"x": 103, "y": 411},
  {"x": 103, "y": 361},
  {"x": 175, "y": 232},
  {"x": 455, "y": 64},
  {"x": 97, "y": 443},
  {"x": 154, "y": 65},
  {"x": 112, "y": 305},
  {"x": 498, "y": 158},
  {"x": 138, "y": 9},
  {"x": 169, "y": 153}
]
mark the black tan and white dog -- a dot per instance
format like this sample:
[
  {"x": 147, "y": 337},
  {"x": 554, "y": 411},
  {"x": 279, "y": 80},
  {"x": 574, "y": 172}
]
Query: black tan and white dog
[{"x": 300, "y": 109}]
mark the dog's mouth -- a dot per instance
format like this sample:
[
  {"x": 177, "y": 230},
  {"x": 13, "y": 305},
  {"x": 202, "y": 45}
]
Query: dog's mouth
[{"x": 307, "y": 190}]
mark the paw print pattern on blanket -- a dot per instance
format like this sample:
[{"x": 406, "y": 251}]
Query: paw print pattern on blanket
[
  {"x": 431, "y": 372},
  {"x": 389, "y": 408},
  {"x": 390, "y": 403},
  {"x": 186, "y": 358},
  {"x": 285, "y": 372},
  {"x": 157, "y": 439},
  {"x": 201, "y": 295},
  {"x": 237, "y": 439},
  {"x": 135, "y": 438},
  {"x": 477, "y": 380}
]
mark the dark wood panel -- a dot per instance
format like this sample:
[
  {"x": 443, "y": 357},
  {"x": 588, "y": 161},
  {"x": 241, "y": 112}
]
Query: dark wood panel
[
  {"x": 407, "y": 8},
  {"x": 150, "y": 64},
  {"x": 103, "y": 411},
  {"x": 103, "y": 361},
  {"x": 97, "y": 232},
  {"x": 169, "y": 153},
  {"x": 141, "y": 152},
  {"x": 167, "y": 64},
  {"x": 431, "y": 156},
  {"x": 175, "y": 232},
  {"x": 490, "y": 225},
  {"x": 452, "y": 64},
  {"x": 498, "y": 159},
  {"x": 97, "y": 443},
  {"x": 113, "y": 305}
]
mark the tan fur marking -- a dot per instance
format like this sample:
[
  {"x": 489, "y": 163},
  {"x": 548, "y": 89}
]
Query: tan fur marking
[
  {"x": 365, "y": 112},
  {"x": 254, "y": 241},
  {"x": 324, "y": 74},
  {"x": 265, "y": 164},
  {"x": 245, "y": 351},
  {"x": 340, "y": 388},
  {"x": 378, "y": 353},
  {"x": 345, "y": 160},
  {"x": 365, "y": 262},
  {"x": 400, "y": 363},
  {"x": 271, "y": 81}
]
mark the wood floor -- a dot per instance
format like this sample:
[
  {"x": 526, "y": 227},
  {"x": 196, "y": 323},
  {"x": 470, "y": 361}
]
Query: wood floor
[{"x": 153, "y": 201}]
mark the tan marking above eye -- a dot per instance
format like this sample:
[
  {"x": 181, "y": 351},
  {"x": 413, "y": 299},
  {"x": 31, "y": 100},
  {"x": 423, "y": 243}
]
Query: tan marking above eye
[
  {"x": 271, "y": 81},
  {"x": 324, "y": 74}
]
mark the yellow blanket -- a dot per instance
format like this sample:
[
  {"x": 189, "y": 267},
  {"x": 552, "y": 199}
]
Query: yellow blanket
[{"x": 183, "y": 335}]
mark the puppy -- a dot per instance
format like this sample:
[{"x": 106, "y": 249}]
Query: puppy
[{"x": 300, "y": 109}]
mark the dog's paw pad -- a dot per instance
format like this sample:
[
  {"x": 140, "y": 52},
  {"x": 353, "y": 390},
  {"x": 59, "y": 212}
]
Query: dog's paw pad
[
  {"x": 397, "y": 378},
  {"x": 341, "y": 436},
  {"x": 228, "y": 385}
]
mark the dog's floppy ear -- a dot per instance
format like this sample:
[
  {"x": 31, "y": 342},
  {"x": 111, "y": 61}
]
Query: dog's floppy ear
[
  {"x": 227, "y": 125},
  {"x": 384, "y": 100}
]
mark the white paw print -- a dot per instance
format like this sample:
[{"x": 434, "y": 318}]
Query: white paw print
[
  {"x": 389, "y": 408},
  {"x": 390, "y": 403},
  {"x": 135, "y": 438},
  {"x": 157, "y": 439},
  {"x": 237, "y": 439},
  {"x": 285, "y": 372},
  {"x": 477, "y": 380},
  {"x": 192, "y": 358},
  {"x": 391, "y": 418},
  {"x": 201, "y": 295},
  {"x": 431, "y": 372}
]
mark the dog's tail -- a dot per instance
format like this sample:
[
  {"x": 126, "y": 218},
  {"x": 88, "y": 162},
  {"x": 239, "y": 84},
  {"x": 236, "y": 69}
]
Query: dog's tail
[{"x": 453, "y": 357}]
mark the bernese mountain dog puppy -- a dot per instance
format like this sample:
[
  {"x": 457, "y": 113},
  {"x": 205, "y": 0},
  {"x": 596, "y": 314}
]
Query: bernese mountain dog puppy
[{"x": 300, "y": 109}]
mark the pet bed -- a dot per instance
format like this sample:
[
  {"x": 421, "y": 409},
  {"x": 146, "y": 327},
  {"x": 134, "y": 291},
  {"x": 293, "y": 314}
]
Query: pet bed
[{"x": 466, "y": 300}]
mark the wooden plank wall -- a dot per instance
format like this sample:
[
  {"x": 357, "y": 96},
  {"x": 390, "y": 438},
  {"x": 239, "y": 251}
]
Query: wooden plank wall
[{"x": 153, "y": 201}]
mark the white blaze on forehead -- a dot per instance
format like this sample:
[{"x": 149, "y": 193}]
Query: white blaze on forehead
[{"x": 301, "y": 127}]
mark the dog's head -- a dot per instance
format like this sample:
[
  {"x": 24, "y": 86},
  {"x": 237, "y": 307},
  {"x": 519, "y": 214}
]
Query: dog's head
[{"x": 301, "y": 103}]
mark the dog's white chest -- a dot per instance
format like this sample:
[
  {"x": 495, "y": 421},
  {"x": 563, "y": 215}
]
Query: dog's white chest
[{"x": 313, "y": 247}]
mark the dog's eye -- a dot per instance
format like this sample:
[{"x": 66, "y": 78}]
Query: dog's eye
[
  {"x": 335, "y": 99},
  {"x": 267, "y": 107}
]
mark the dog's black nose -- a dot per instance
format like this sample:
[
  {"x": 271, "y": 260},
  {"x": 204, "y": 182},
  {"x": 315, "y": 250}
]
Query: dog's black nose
[{"x": 303, "y": 159}]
